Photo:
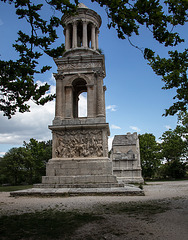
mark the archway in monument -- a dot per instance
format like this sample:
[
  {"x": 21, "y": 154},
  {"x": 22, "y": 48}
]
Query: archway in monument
[
  {"x": 82, "y": 104},
  {"x": 79, "y": 95}
]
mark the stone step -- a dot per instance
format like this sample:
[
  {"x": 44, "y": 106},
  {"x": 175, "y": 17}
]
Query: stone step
[
  {"x": 66, "y": 192},
  {"x": 84, "y": 179},
  {"x": 85, "y": 186}
]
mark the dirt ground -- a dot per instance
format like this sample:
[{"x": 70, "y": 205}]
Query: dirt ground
[{"x": 162, "y": 214}]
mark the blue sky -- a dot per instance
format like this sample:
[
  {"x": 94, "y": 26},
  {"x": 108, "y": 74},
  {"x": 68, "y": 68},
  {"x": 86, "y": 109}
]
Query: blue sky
[{"x": 135, "y": 101}]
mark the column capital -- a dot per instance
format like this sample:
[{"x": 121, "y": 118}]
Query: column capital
[
  {"x": 67, "y": 26},
  {"x": 58, "y": 76},
  {"x": 85, "y": 21},
  {"x": 99, "y": 73},
  {"x": 93, "y": 25},
  {"x": 75, "y": 22}
]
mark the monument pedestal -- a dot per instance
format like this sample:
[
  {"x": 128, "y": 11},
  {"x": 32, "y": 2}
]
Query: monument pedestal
[
  {"x": 79, "y": 173},
  {"x": 79, "y": 157}
]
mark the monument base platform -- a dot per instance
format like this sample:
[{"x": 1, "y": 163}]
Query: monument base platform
[
  {"x": 133, "y": 180},
  {"x": 67, "y": 192}
]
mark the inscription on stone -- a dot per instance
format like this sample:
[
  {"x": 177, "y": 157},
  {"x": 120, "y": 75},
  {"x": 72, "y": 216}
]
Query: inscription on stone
[{"x": 78, "y": 143}]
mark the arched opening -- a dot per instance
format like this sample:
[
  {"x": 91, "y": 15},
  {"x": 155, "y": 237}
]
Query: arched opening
[
  {"x": 79, "y": 87},
  {"x": 82, "y": 104}
]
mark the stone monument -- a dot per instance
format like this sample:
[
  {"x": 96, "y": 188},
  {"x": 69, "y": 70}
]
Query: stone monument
[
  {"x": 125, "y": 155},
  {"x": 80, "y": 163},
  {"x": 80, "y": 144}
]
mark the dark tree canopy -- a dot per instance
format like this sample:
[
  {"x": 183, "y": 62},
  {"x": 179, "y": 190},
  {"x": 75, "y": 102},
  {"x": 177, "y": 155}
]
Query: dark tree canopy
[
  {"x": 17, "y": 84},
  {"x": 25, "y": 164}
]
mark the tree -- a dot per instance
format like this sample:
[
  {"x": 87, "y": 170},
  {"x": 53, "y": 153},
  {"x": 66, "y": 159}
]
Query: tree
[
  {"x": 174, "y": 150},
  {"x": 173, "y": 147},
  {"x": 149, "y": 154},
  {"x": 127, "y": 16},
  {"x": 25, "y": 164},
  {"x": 12, "y": 166},
  {"x": 175, "y": 169},
  {"x": 38, "y": 155}
]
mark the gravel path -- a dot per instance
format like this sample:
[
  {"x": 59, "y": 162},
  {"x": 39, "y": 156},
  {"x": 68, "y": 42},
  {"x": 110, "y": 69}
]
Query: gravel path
[{"x": 169, "y": 225}]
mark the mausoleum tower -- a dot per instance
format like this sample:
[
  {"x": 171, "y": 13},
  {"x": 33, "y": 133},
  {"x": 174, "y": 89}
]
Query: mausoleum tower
[
  {"x": 81, "y": 69},
  {"x": 80, "y": 144}
]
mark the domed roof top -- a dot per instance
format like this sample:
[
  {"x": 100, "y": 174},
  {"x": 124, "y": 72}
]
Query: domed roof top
[{"x": 81, "y": 5}]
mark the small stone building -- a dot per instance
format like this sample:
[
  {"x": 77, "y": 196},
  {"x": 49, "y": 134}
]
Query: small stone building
[{"x": 125, "y": 157}]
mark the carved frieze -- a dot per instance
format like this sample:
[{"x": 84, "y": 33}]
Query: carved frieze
[
  {"x": 79, "y": 65},
  {"x": 79, "y": 143}
]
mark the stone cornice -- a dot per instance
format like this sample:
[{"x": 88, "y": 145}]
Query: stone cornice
[{"x": 84, "y": 14}]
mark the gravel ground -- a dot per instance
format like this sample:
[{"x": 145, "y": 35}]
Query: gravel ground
[{"x": 171, "y": 224}]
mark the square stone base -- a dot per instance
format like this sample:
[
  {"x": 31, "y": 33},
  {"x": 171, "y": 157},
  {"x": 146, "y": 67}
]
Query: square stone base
[
  {"x": 128, "y": 175},
  {"x": 79, "y": 173}
]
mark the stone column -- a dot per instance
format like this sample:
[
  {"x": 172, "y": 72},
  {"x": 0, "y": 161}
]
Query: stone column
[
  {"x": 59, "y": 96},
  {"x": 90, "y": 101},
  {"x": 93, "y": 37},
  {"x": 67, "y": 37},
  {"x": 97, "y": 39},
  {"x": 74, "y": 35},
  {"x": 68, "y": 102},
  {"x": 85, "y": 38},
  {"x": 100, "y": 95},
  {"x": 104, "y": 89}
]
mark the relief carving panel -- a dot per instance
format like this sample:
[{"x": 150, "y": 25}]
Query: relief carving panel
[{"x": 79, "y": 143}]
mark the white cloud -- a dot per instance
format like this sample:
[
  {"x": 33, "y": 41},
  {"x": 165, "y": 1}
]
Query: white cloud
[
  {"x": 34, "y": 124},
  {"x": 2, "y": 154},
  {"x": 114, "y": 127},
  {"x": 82, "y": 105},
  {"x": 112, "y": 108},
  {"x": 135, "y": 128},
  {"x": 159, "y": 141},
  {"x": 52, "y": 79},
  {"x": 110, "y": 140},
  {"x": 167, "y": 127},
  {"x": 23, "y": 126}
]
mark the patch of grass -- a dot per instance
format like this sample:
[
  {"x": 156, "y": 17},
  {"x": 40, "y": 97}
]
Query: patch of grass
[
  {"x": 14, "y": 188},
  {"x": 48, "y": 224}
]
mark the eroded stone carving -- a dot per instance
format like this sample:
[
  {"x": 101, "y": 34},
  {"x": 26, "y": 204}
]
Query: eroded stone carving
[
  {"x": 78, "y": 143},
  {"x": 79, "y": 65}
]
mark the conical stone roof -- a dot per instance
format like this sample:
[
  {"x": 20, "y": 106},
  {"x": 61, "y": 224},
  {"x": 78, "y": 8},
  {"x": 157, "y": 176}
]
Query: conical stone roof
[{"x": 81, "y": 5}]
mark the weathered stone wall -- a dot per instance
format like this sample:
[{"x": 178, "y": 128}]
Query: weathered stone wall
[{"x": 126, "y": 158}]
